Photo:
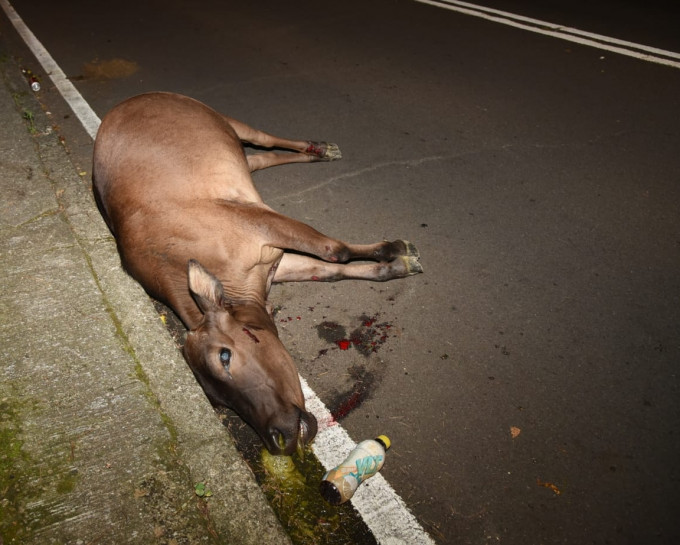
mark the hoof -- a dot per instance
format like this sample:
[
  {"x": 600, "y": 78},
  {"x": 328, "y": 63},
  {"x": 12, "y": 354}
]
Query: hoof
[
  {"x": 332, "y": 153},
  {"x": 401, "y": 267},
  {"x": 412, "y": 265},
  {"x": 324, "y": 151},
  {"x": 411, "y": 249}
]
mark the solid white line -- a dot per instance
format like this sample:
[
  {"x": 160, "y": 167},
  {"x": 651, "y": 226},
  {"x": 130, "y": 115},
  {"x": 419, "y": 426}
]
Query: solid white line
[
  {"x": 622, "y": 47},
  {"x": 80, "y": 107},
  {"x": 383, "y": 511}
]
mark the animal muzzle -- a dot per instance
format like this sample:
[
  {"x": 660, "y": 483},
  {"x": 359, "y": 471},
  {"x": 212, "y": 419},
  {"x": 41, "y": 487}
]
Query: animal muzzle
[{"x": 292, "y": 433}]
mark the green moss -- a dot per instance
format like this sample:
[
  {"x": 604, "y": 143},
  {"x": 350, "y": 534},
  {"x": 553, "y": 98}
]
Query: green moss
[
  {"x": 30, "y": 121},
  {"x": 22, "y": 477},
  {"x": 291, "y": 485},
  {"x": 13, "y": 464},
  {"x": 67, "y": 482}
]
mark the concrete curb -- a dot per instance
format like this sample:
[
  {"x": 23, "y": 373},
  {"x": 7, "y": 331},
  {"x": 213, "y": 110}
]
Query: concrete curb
[{"x": 183, "y": 426}]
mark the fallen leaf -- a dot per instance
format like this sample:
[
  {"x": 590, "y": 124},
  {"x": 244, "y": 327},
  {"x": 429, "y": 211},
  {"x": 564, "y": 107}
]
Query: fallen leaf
[
  {"x": 514, "y": 431},
  {"x": 549, "y": 485},
  {"x": 202, "y": 491}
]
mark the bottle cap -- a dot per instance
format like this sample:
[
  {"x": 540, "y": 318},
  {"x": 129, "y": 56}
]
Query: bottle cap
[{"x": 384, "y": 440}]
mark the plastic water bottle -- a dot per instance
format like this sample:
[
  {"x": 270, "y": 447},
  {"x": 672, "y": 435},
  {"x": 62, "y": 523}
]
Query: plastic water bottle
[{"x": 340, "y": 483}]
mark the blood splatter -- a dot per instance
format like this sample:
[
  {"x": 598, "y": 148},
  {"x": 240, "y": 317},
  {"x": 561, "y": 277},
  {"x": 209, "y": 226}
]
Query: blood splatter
[
  {"x": 343, "y": 344},
  {"x": 367, "y": 338},
  {"x": 364, "y": 382},
  {"x": 346, "y": 407},
  {"x": 331, "y": 332},
  {"x": 371, "y": 335}
]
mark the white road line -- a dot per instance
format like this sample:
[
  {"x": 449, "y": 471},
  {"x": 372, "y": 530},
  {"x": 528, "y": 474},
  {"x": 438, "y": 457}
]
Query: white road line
[
  {"x": 75, "y": 100},
  {"x": 383, "y": 511},
  {"x": 622, "y": 47}
]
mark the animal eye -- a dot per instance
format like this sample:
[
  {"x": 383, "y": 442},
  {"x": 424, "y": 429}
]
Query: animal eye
[{"x": 225, "y": 357}]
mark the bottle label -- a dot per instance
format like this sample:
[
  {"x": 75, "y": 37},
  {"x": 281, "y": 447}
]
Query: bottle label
[{"x": 366, "y": 467}]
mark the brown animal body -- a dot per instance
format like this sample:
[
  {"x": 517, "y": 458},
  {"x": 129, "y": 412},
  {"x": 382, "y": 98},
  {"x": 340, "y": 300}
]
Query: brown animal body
[{"x": 174, "y": 186}]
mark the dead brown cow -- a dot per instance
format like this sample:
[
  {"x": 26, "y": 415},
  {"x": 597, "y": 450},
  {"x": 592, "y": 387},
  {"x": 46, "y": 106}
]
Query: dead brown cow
[{"x": 174, "y": 186}]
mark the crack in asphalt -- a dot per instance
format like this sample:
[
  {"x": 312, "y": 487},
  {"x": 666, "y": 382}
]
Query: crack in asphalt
[{"x": 379, "y": 166}]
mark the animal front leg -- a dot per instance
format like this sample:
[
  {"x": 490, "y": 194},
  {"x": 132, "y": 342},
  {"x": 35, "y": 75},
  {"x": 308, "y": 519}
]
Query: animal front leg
[
  {"x": 300, "y": 268},
  {"x": 307, "y": 151}
]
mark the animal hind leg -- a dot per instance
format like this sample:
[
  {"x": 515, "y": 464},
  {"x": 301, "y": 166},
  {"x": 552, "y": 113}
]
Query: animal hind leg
[
  {"x": 258, "y": 161},
  {"x": 306, "y": 151},
  {"x": 280, "y": 231}
]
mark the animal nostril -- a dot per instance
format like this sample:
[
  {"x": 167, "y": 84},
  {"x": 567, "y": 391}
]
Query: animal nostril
[
  {"x": 278, "y": 439},
  {"x": 297, "y": 430}
]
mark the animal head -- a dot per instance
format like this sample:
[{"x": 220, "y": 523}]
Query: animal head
[{"x": 238, "y": 358}]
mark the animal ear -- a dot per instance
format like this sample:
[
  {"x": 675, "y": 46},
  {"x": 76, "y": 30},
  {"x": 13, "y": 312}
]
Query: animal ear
[{"x": 206, "y": 290}]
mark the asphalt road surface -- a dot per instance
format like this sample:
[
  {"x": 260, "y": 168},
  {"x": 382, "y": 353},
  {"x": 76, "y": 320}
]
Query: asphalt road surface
[{"x": 529, "y": 379}]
